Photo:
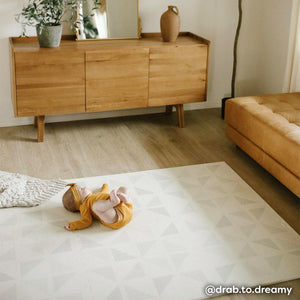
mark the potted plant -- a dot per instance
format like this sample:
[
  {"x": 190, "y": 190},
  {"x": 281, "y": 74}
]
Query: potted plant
[{"x": 47, "y": 16}]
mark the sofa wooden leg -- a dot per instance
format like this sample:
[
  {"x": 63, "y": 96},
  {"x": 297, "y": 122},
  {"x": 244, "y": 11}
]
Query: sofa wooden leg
[
  {"x": 180, "y": 115},
  {"x": 40, "y": 120}
]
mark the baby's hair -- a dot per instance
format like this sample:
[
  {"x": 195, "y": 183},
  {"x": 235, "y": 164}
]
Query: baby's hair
[{"x": 69, "y": 201}]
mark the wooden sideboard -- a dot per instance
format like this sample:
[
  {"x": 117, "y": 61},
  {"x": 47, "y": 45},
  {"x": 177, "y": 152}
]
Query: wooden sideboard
[{"x": 107, "y": 75}]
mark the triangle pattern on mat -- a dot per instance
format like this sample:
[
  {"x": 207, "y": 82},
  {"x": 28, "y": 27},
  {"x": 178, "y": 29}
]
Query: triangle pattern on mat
[
  {"x": 136, "y": 272},
  {"x": 120, "y": 255},
  {"x": 203, "y": 180},
  {"x": 198, "y": 276},
  {"x": 274, "y": 261},
  {"x": 160, "y": 210},
  {"x": 142, "y": 192},
  {"x": 115, "y": 295},
  {"x": 247, "y": 252},
  {"x": 242, "y": 215},
  {"x": 178, "y": 259},
  {"x": 212, "y": 240},
  {"x": 87, "y": 243},
  {"x": 224, "y": 222},
  {"x": 155, "y": 201},
  {"x": 162, "y": 282},
  {"x": 267, "y": 243},
  {"x": 60, "y": 280},
  {"x": 122, "y": 238},
  {"x": 213, "y": 167},
  {"x": 247, "y": 230},
  {"x": 65, "y": 246},
  {"x": 244, "y": 201},
  {"x": 144, "y": 247},
  {"x": 106, "y": 272},
  {"x": 273, "y": 229},
  {"x": 170, "y": 230},
  {"x": 225, "y": 271},
  {"x": 160, "y": 262},
  {"x": 241, "y": 189},
  {"x": 26, "y": 267},
  {"x": 257, "y": 212}
]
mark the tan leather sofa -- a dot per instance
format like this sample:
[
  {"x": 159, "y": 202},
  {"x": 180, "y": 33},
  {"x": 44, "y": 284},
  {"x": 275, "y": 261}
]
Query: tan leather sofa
[{"x": 268, "y": 129}]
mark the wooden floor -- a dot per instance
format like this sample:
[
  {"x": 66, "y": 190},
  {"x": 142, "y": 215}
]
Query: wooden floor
[{"x": 119, "y": 145}]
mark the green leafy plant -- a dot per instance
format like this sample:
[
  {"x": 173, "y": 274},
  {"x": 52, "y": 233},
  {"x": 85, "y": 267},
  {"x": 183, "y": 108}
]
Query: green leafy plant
[
  {"x": 91, "y": 32},
  {"x": 50, "y": 13}
]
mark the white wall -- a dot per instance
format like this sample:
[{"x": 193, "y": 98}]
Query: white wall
[
  {"x": 262, "y": 48},
  {"x": 275, "y": 44}
]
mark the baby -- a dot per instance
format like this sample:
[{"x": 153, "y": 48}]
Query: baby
[{"x": 111, "y": 209}]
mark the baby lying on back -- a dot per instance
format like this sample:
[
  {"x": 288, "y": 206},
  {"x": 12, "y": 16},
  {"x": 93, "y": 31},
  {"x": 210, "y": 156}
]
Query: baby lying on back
[{"x": 113, "y": 209}]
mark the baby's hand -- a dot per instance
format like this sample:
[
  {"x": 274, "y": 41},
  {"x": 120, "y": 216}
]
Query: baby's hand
[{"x": 67, "y": 227}]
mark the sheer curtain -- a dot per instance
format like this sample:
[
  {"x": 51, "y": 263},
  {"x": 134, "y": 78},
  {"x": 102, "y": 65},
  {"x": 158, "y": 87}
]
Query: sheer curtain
[{"x": 292, "y": 83}]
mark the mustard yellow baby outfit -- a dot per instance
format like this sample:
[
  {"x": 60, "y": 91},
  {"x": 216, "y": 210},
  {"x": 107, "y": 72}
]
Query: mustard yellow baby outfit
[{"x": 124, "y": 211}]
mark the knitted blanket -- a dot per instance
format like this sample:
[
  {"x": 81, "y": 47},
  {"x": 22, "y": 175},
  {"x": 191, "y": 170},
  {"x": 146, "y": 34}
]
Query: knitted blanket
[{"x": 22, "y": 190}]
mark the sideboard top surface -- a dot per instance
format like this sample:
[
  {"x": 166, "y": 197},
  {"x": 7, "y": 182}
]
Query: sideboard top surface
[{"x": 148, "y": 40}]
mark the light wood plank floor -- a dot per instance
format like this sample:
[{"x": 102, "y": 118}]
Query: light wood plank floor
[{"x": 119, "y": 145}]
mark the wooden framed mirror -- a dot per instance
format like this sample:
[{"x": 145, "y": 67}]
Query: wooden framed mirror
[{"x": 111, "y": 19}]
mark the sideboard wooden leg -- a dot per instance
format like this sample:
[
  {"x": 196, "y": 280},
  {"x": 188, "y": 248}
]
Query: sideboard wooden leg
[
  {"x": 35, "y": 124},
  {"x": 40, "y": 128},
  {"x": 169, "y": 109},
  {"x": 180, "y": 115}
]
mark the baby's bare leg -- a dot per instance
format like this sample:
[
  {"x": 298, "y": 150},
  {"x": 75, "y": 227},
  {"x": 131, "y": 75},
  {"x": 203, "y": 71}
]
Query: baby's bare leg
[
  {"x": 104, "y": 205},
  {"x": 105, "y": 211},
  {"x": 109, "y": 216}
]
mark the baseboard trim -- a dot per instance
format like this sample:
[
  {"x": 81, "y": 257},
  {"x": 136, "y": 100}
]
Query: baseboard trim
[{"x": 103, "y": 115}]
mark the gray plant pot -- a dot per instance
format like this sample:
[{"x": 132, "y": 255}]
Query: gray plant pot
[{"x": 49, "y": 36}]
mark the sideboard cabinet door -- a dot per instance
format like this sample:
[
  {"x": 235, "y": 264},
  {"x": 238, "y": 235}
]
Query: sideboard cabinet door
[
  {"x": 177, "y": 75},
  {"x": 49, "y": 82},
  {"x": 117, "y": 79}
]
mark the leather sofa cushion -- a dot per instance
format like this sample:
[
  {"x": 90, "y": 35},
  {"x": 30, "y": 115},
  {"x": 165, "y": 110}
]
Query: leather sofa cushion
[{"x": 271, "y": 122}]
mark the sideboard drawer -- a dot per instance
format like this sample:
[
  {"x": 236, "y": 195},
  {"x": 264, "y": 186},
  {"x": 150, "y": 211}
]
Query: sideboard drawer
[
  {"x": 177, "y": 75},
  {"x": 49, "y": 82},
  {"x": 117, "y": 78}
]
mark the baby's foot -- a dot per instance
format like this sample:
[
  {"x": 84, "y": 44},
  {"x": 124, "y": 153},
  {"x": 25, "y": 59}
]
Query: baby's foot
[
  {"x": 114, "y": 199},
  {"x": 123, "y": 194},
  {"x": 123, "y": 197}
]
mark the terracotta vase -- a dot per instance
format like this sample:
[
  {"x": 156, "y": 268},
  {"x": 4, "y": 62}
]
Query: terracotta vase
[{"x": 170, "y": 24}]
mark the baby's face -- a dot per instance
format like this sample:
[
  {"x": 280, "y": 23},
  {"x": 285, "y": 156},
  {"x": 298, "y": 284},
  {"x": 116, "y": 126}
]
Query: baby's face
[{"x": 83, "y": 191}]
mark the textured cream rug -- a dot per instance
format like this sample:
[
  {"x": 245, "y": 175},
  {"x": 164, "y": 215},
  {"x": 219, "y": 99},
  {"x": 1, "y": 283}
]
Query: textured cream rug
[{"x": 192, "y": 226}]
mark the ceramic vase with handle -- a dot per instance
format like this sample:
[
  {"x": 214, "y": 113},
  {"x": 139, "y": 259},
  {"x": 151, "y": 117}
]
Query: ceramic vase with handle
[{"x": 170, "y": 24}]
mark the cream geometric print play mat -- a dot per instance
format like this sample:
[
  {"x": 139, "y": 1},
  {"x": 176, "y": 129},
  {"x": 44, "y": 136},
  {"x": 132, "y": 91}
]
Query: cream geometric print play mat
[{"x": 192, "y": 226}]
